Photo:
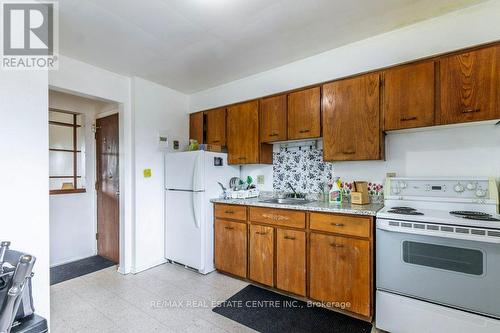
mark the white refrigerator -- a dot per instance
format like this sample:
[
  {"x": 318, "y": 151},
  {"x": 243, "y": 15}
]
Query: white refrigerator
[{"x": 190, "y": 182}]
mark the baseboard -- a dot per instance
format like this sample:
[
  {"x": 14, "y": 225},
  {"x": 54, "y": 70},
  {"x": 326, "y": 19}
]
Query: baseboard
[
  {"x": 141, "y": 268},
  {"x": 68, "y": 260}
]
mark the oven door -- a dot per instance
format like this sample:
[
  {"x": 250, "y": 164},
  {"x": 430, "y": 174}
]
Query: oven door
[{"x": 460, "y": 273}]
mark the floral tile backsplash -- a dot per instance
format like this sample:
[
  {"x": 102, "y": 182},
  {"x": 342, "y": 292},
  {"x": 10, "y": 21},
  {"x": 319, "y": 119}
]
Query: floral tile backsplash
[{"x": 306, "y": 172}]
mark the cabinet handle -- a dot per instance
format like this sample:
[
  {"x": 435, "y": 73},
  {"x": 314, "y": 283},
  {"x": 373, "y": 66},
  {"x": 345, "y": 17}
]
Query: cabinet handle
[
  {"x": 289, "y": 237},
  {"x": 334, "y": 245},
  {"x": 229, "y": 228},
  {"x": 273, "y": 134},
  {"x": 229, "y": 212},
  {"x": 304, "y": 131},
  {"x": 261, "y": 233},
  {"x": 242, "y": 158},
  {"x": 275, "y": 217},
  {"x": 216, "y": 141},
  {"x": 349, "y": 152},
  {"x": 470, "y": 110},
  {"x": 337, "y": 224},
  {"x": 408, "y": 118}
]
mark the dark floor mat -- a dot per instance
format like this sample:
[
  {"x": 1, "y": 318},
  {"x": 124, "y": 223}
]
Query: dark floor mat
[
  {"x": 269, "y": 312},
  {"x": 78, "y": 268}
]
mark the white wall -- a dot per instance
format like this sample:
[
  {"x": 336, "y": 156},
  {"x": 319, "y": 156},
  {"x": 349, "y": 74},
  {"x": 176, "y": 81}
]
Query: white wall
[
  {"x": 24, "y": 169},
  {"x": 72, "y": 216},
  {"x": 82, "y": 79},
  {"x": 464, "y": 151},
  {"x": 156, "y": 108}
]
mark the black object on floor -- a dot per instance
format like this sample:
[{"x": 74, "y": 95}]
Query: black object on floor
[
  {"x": 78, "y": 268},
  {"x": 269, "y": 312}
]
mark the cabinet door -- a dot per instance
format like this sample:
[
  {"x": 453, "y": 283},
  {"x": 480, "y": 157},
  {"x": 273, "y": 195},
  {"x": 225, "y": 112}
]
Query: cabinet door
[
  {"x": 273, "y": 119},
  {"x": 304, "y": 114},
  {"x": 351, "y": 119},
  {"x": 340, "y": 272},
  {"x": 291, "y": 261},
  {"x": 262, "y": 254},
  {"x": 231, "y": 247},
  {"x": 243, "y": 133},
  {"x": 409, "y": 96},
  {"x": 216, "y": 126},
  {"x": 196, "y": 126},
  {"x": 470, "y": 86}
]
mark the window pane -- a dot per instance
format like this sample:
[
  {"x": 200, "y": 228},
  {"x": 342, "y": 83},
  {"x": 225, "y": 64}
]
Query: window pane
[
  {"x": 80, "y": 119},
  {"x": 61, "y": 117},
  {"x": 57, "y": 183},
  {"x": 455, "y": 259},
  {"x": 60, "y": 163},
  {"x": 60, "y": 137}
]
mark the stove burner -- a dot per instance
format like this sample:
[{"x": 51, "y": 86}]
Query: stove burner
[
  {"x": 469, "y": 213},
  {"x": 403, "y": 208},
  {"x": 404, "y": 212},
  {"x": 481, "y": 218}
]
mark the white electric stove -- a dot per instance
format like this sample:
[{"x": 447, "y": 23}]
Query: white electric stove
[{"x": 438, "y": 256}]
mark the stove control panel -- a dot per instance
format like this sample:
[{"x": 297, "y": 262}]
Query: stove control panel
[{"x": 472, "y": 189}]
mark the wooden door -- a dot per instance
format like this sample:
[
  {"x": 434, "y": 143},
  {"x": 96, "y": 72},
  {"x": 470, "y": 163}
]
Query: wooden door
[
  {"x": 340, "y": 271},
  {"x": 351, "y": 119},
  {"x": 231, "y": 247},
  {"x": 196, "y": 126},
  {"x": 470, "y": 86},
  {"x": 108, "y": 188},
  {"x": 409, "y": 96},
  {"x": 261, "y": 265},
  {"x": 291, "y": 261},
  {"x": 272, "y": 122},
  {"x": 243, "y": 133},
  {"x": 216, "y": 126},
  {"x": 304, "y": 114}
]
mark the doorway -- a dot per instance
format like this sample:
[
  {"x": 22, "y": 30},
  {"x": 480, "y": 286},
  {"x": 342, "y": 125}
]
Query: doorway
[{"x": 108, "y": 187}]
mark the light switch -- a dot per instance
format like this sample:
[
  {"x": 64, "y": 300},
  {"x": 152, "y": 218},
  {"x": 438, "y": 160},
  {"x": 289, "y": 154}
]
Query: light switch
[{"x": 147, "y": 173}]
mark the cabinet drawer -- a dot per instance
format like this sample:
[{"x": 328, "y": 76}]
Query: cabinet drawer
[
  {"x": 283, "y": 217},
  {"x": 341, "y": 224},
  {"x": 231, "y": 212}
]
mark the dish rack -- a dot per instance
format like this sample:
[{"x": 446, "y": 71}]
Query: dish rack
[{"x": 242, "y": 194}]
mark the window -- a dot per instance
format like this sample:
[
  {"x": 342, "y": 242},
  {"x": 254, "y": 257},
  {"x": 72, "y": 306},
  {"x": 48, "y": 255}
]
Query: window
[{"x": 66, "y": 152}]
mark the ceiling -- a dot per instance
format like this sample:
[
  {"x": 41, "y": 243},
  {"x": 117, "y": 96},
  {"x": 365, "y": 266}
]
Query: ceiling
[{"x": 192, "y": 45}]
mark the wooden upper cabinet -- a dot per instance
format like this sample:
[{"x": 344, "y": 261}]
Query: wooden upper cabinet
[
  {"x": 409, "y": 96},
  {"x": 470, "y": 86},
  {"x": 196, "y": 126},
  {"x": 243, "y": 133},
  {"x": 216, "y": 126},
  {"x": 304, "y": 114},
  {"x": 351, "y": 119},
  {"x": 272, "y": 115}
]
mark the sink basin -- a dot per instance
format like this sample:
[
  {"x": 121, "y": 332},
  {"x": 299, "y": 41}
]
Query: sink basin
[{"x": 287, "y": 201}]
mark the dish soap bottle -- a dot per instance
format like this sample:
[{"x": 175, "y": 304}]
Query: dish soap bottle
[{"x": 335, "y": 195}]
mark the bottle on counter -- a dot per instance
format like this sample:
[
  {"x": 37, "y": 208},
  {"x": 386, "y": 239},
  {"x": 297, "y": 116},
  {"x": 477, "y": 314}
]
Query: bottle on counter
[{"x": 335, "y": 195}]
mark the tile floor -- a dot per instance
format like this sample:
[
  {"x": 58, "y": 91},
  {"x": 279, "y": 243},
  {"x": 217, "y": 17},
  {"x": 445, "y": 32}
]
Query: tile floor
[{"x": 167, "y": 298}]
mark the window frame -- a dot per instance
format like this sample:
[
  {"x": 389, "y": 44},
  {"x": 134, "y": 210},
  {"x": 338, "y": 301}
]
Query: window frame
[{"x": 74, "y": 125}]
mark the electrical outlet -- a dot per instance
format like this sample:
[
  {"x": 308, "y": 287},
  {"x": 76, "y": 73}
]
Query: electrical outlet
[
  {"x": 390, "y": 174},
  {"x": 260, "y": 179}
]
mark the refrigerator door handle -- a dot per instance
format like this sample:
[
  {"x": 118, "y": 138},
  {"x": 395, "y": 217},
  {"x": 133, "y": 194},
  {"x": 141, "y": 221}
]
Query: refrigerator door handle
[
  {"x": 196, "y": 210},
  {"x": 196, "y": 172}
]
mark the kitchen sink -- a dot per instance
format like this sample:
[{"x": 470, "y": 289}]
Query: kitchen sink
[{"x": 287, "y": 201}]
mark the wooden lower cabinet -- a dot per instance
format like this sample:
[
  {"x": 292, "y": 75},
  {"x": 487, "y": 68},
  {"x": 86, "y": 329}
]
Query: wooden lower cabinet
[
  {"x": 231, "y": 247},
  {"x": 261, "y": 254},
  {"x": 291, "y": 261},
  {"x": 340, "y": 272}
]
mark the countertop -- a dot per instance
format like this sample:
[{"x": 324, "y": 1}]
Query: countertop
[{"x": 316, "y": 206}]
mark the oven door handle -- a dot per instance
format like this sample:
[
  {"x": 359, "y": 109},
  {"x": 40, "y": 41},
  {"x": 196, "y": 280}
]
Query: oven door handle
[{"x": 384, "y": 225}]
